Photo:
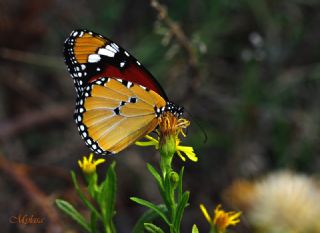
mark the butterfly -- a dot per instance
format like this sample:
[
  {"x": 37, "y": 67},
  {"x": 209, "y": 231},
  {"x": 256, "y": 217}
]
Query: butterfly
[{"x": 118, "y": 99}]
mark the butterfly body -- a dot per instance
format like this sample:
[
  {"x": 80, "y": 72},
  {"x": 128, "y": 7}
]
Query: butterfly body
[{"x": 118, "y": 100}]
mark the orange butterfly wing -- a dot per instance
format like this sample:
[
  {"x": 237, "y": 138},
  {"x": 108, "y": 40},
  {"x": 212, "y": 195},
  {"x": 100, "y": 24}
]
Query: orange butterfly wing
[{"x": 113, "y": 115}]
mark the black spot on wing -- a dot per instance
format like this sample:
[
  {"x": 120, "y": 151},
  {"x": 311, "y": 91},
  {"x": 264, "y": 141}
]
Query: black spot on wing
[
  {"x": 133, "y": 100},
  {"x": 116, "y": 111}
]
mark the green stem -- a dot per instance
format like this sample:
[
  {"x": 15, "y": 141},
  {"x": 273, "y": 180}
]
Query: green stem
[
  {"x": 165, "y": 165},
  {"x": 213, "y": 229},
  {"x": 167, "y": 150}
]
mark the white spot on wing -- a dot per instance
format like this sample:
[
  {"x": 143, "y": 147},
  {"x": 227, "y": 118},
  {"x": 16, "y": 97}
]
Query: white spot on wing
[
  {"x": 93, "y": 58},
  {"x": 106, "y": 52},
  {"x": 129, "y": 84},
  {"x": 115, "y": 46},
  {"x": 89, "y": 141},
  {"x": 110, "y": 48}
]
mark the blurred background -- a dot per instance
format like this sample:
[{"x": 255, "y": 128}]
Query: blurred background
[{"x": 247, "y": 72}]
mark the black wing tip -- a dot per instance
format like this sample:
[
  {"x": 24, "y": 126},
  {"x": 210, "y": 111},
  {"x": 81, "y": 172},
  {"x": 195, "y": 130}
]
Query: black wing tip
[{"x": 76, "y": 33}]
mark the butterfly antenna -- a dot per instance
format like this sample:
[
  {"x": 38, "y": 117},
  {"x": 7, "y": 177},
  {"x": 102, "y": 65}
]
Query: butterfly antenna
[{"x": 199, "y": 125}]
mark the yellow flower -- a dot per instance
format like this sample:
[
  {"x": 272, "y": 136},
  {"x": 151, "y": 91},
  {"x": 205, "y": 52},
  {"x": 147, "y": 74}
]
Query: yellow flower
[
  {"x": 221, "y": 219},
  {"x": 88, "y": 166},
  {"x": 171, "y": 126},
  {"x": 224, "y": 219}
]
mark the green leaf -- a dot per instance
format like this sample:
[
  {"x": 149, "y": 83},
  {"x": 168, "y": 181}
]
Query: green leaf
[
  {"x": 180, "y": 185},
  {"x": 155, "y": 174},
  {"x": 68, "y": 209},
  {"x": 148, "y": 216},
  {"x": 159, "y": 181},
  {"x": 152, "y": 206},
  {"x": 93, "y": 222},
  {"x": 107, "y": 195},
  {"x": 195, "y": 229},
  {"x": 153, "y": 228},
  {"x": 180, "y": 209},
  {"x": 113, "y": 228},
  {"x": 85, "y": 201}
]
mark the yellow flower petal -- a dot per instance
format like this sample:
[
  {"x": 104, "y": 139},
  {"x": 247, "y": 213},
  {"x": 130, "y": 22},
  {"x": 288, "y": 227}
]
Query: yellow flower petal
[
  {"x": 99, "y": 161},
  {"x": 188, "y": 151},
  {"x": 205, "y": 213},
  {"x": 152, "y": 142},
  {"x": 181, "y": 156},
  {"x": 91, "y": 157}
]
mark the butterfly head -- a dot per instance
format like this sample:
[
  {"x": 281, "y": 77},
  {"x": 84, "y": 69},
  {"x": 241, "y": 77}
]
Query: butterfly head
[
  {"x": 171, "y": 109},
  {"x": 174, "y": 109}
]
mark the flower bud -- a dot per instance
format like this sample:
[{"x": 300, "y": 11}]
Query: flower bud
[{"x": 174, "y": 178}]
